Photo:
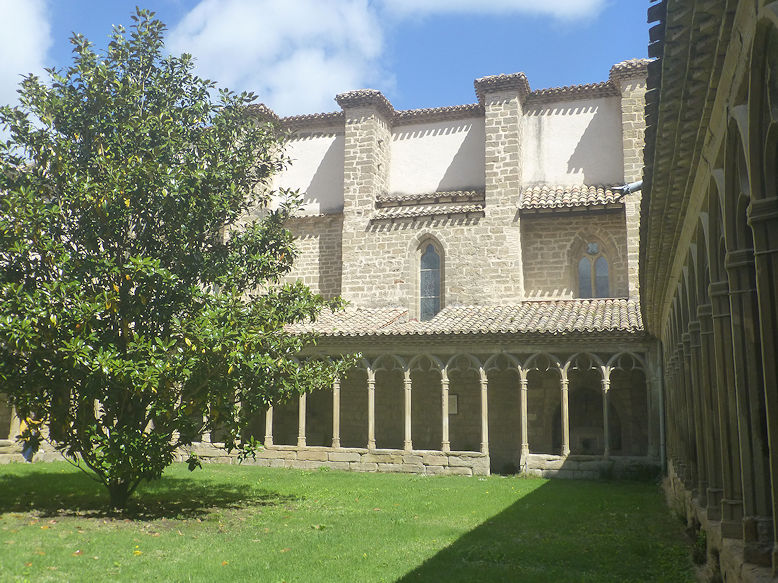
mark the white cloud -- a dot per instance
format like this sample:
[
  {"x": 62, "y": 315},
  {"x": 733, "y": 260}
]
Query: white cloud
[
  {"x": 565, "y": 10},
  {"x": 25, "y": 37},
  {"x": 295, "y": 54}
]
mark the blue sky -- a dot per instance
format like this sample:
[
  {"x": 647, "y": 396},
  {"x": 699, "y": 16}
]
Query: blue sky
[{"x": 297, "y": 54}]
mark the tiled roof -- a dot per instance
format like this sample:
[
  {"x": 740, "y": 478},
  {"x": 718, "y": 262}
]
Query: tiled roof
[
  {"x": 535, "y": 317},
  {"x": 549, "y": 196},
  {"x": 571, "y": 92},
  {"x": 426, "y": 210},
  {"x": 630, "y": 68},
  {"x": 475, "y": 195}
]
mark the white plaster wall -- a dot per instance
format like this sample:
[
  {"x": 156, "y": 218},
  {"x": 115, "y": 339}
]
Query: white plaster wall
[
  {"x": 438, "y": 156},
  {"x": 316, "y": 169},
  {"x": 573, "y": 142}
]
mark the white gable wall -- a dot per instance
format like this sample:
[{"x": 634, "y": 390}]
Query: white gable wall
[
  {"x": 316, "y": 169},
  {"x": 573, "y": 142},
  {"x": 437, "y": 156}
]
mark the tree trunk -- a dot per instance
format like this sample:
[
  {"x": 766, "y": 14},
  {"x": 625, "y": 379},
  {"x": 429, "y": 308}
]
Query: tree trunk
[{"x": 119, "y": 493}]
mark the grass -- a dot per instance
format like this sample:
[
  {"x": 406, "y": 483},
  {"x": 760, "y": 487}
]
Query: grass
[{"x": 246, "y": 523}]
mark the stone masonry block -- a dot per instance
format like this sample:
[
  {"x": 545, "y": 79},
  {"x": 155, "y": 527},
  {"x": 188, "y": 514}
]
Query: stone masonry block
[
  {"x": 344, "y": 456},
  {"x": 459, "y": 471},
  {"x": 310, "y": 455}
]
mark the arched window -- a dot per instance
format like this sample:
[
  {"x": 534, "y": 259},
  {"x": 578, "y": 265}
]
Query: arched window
[
  {"x": 593, "y": 278},
  {"x": 429, "y": 282}
]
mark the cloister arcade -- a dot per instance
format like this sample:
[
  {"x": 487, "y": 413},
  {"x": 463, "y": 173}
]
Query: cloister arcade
[{"x": 522, "y": 412}]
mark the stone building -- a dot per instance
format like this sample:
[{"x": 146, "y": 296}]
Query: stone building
[
  {"x": 709, "y": 269},
  {"x": 490, "y": 262},
  {"x": 491, "y": 265}
]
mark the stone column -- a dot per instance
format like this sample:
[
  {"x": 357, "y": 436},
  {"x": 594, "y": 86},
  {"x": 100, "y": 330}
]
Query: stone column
[
  {"x": 606, "y": 387},
  {"x": 686, "y": 383},
  {"x": 654, "y": 412},
  {"x": 370, "y": 409},
  {"x": 445, "y": 442},
  {"x": 336, "y": 413},
  {"x": 500, "y": 266},
  {"x": 205, "y": 437},
  {"x": 731, "y": 502},
  {"x": 710, "y": 411},
  {"x": 695, "y": 348},
  {"x": 15, "y": 424},
  {"x": 408, "y": 386},
  {"x": 269, "y": 426},
  {"x": 749, "y": 388},
  {"x": 484, "y": 412},
  {"x": 565, "y": 414},
  {"x": 763, "y": 218},
  {"x": 301, "y": 407},
  {"x": 524, "y": 433}
]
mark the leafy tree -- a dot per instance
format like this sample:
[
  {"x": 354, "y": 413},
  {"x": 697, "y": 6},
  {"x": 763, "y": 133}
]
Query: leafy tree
[{"x": 138, "y": 306}]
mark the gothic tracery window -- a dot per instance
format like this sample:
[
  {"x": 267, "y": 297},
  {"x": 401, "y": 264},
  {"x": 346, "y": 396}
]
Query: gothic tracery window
[
  {"x": 429, "y": 282},
  {"x": 593, "y": 276}
]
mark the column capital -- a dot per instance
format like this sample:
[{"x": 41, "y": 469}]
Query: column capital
[
  {"x": 737, "y": 259},
  {"x": 762, "y": 210}
]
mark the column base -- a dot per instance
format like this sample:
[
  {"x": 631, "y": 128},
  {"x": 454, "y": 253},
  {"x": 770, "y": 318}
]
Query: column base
[
  {"x": 336, "y": 442},
  {"x": 300, "y": 442},
  {"x": 702, "y": 494},
  {"x": 407, "y": 446},
  {"x": 758, "y": 540},
  {"x": 775, "y": 559},
  {"x": 713, "y": 510},
  {"x": 445, "y": 446},
  {"x": 732, "y": 519}
]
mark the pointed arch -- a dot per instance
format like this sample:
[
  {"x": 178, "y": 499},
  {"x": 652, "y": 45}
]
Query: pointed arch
[{"x": 427, "y": 275}]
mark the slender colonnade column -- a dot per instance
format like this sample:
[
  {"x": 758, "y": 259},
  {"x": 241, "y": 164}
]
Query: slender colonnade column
[
  {"x": 606, "y": 386},
  {"x": 269, "y": 426},
  {"x": 484, "y": 412},
  {"x": 301, "y": 407},
  {"x": 370, "y": 409},
  {"x": 408, "y": 386},
  {"x": 523, "y": 405},
  {"x": 565, "y": 414},
  {"x": 336, "y": 413},
  {"x": 445, "y": 443}
]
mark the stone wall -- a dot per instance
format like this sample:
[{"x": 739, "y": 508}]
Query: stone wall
[
  {"x": 462, "y": 463},
  {"x": 319, "y": 263},
  {"x": 549, "y": 240}
]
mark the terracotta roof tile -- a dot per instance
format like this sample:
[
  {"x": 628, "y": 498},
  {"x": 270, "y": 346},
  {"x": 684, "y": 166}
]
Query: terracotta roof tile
[
  {"x": 553, "y": 196},
  {"x": 474, "y": 195},
  {"x": 535, "y": 317},
  {"x": 426, "y": 210}
]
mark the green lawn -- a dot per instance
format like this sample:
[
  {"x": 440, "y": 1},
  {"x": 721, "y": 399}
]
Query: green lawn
[{"x": 246, "y": 523}]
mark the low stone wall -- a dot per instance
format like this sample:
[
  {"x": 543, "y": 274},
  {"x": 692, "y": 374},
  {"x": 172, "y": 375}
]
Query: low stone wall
[
  {"x": 583, "y": 467},
  {"x": 724, "y": 555},
  {"x": 464, "y": 463}
]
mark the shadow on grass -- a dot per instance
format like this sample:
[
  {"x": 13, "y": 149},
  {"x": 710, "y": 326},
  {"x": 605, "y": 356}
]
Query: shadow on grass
[
  {"x": 50, "y": 493},
  {"x": 569, "y": 531}
]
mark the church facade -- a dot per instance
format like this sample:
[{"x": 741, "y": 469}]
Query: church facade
[{"x": 490, "y": 263}]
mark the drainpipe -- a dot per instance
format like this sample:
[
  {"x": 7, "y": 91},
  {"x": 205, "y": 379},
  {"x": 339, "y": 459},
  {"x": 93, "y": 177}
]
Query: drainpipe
[{"x": 628, "y": 189}]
